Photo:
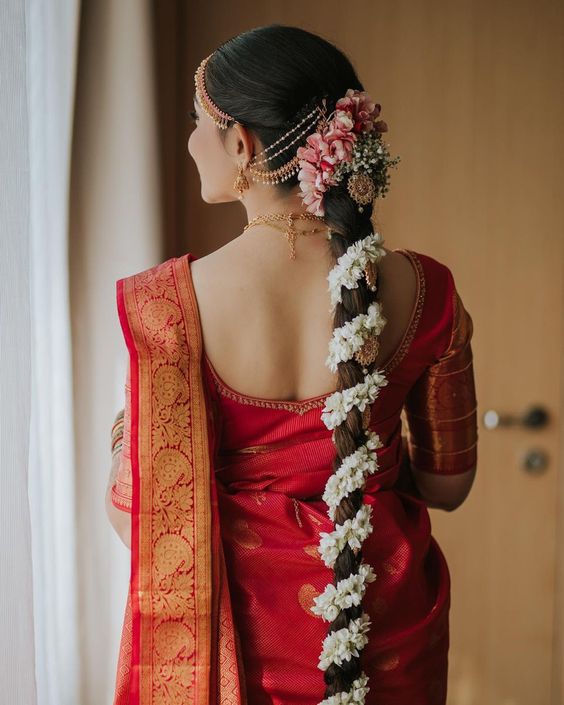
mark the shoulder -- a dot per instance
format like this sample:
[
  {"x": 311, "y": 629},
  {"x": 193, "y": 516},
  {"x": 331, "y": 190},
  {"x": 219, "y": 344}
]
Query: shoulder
[
  {"x": 435, "y": 270},
  {"x": 442, "y": 303},
  {"x": 438, "y": 280},
  {"x": 162, "y": 271}
]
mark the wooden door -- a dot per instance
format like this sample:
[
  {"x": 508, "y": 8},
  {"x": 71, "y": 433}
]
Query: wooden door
[{"x": 482, "y": 145}]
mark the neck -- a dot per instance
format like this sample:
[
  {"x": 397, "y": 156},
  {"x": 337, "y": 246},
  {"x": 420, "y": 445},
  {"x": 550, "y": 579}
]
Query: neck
[{"x": 264, "y": 201}]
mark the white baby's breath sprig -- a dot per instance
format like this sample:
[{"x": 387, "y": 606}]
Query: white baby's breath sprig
[
  {"x": 342, "y": 644},
  {"x": 346, "y": 593},
  {"x": 350, "y": 266}
]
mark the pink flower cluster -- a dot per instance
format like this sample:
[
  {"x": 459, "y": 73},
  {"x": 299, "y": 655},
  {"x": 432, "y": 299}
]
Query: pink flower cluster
[{"x": 354, "y": 114}]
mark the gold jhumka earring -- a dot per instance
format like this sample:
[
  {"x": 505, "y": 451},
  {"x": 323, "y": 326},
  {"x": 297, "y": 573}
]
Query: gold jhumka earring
[{"x": 241, "y": 184}]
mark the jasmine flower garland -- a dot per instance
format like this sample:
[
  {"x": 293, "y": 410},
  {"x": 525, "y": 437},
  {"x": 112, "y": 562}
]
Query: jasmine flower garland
[
  {"x": 348, "y": 339},
  {"x": 351, "y": 265},
  {"x": 349, "y": 145}
]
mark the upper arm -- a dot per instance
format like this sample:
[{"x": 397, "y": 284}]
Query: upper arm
[{"x": 441, "y": 412}]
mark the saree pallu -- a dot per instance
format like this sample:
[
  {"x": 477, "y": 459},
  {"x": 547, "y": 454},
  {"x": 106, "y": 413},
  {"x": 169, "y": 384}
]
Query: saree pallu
[
  {"x": 179, "y": 643},
  {"x": 227, "y": 511}
]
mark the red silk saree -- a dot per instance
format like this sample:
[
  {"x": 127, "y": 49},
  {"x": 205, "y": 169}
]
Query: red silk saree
[{"x": 225, "y": 492}]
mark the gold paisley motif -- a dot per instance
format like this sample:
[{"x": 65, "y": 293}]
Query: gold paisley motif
[
  {"x": 170, "y": 385},
  {"x": 390, "y": 568},
  {"x": 306, "y": 593},
  {"x": 174, "y": 640},
  {"x": 245, "y": 536},
  {"x": 160, "y": 313},
  {"x": 314, "y": 519},
  {"x": 172, "y": 553},
  {"x": 170, "y": 466}
]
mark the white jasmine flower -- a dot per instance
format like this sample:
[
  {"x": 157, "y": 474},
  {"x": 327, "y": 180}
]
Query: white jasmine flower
[
  {"x": 342, "y": 644},
  {"x": 355, "y": 696},
  {"x": 352, "y": 531},
  {"x": 350, "y": 265},
  {"x": 373, "y": 441},
  {"x": 346, "y": 593},
  {"x": 338, "y": 404},
  {"x": 350, "y": 337},
  {"x": 349, "y": 476}
]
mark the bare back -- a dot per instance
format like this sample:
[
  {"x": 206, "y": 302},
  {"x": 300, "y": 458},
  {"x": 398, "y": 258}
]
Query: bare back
[{"x": 265, "y": 319}]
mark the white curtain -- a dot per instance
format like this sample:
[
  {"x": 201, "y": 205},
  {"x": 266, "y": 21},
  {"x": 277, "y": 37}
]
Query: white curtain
[
  {"x": 79, "y": 208},
  {"x": 115, "y": 231},
  {"x": 16, "y": 596},
  {"x": 52, "y": 36},
  {"x": 38, "y": 618}
]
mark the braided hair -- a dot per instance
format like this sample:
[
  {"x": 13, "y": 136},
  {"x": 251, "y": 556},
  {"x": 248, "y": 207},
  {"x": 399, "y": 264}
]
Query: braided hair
[{"x": 302, "y": 68}]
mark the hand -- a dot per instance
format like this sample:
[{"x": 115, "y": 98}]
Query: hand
[{"x": 119, "y": 519}]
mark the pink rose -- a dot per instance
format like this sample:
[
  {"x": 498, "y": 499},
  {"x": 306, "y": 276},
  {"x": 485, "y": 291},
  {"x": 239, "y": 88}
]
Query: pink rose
[
  {"x": 312, "y": 186},
  {"x": 362, "y": 109}
]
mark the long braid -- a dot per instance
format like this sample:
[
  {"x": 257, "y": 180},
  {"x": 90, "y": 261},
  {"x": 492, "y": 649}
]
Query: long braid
[{"x": 343, "y": 675}]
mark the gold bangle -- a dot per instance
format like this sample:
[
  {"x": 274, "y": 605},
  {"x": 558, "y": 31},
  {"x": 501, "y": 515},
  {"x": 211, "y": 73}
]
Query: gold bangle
[
  {"x": 117, "y": 431},
  {"x": 119, "y": 422}
]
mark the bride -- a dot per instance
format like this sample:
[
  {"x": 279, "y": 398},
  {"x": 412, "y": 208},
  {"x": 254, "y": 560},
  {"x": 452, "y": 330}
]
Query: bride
[{"x": 281, "y": 548}]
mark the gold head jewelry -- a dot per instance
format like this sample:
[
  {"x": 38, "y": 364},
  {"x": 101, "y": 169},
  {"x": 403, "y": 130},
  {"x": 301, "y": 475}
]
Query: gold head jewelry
[
  {"x": 220, "y": 118},
  {"x": 315, "y": 120}
]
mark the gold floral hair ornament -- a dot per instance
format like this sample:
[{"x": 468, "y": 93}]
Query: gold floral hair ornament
[{"x": 349, "y": 144}]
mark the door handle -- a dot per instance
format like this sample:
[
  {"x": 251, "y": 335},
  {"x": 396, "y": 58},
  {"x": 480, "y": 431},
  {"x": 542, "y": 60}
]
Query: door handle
[{"x": 535, "y": 416}]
